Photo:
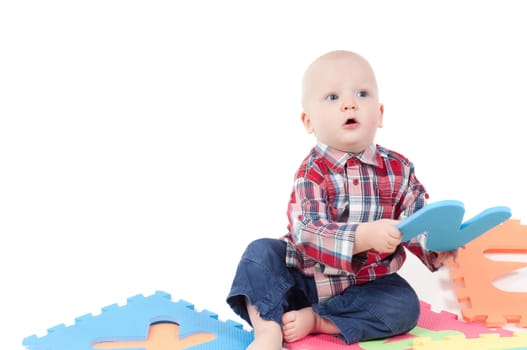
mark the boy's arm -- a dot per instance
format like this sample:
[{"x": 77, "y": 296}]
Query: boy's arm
[
  {"x": 332, "y": 243},
  {"x": 312, "y": 230}
]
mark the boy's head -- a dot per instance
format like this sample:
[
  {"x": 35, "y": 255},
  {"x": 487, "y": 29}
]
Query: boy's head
[{"x": 340, "y": 101}]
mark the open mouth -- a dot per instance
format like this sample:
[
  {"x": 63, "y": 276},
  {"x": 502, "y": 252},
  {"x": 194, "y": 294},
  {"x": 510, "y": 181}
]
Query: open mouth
[{"x": 351, "y": 121}]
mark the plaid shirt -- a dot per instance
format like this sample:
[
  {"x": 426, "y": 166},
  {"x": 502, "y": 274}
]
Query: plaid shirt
[{"x": 333, "y": 192}]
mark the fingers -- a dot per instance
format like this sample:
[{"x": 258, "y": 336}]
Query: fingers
[
  {"x": 391, "y": 245},
  {"x": 393, "y": 239},
  {"x": 393, "y": 231},
  {"x": 395, "y": 236}
]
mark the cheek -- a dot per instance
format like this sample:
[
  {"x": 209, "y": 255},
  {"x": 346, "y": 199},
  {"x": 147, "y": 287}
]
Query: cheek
[
  {"x": 373, "y": 123},
  {"x": 317, "y": 124}
]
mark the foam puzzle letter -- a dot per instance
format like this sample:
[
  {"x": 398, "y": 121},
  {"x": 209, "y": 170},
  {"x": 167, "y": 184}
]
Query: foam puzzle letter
[{"x": 443, "y": 223}]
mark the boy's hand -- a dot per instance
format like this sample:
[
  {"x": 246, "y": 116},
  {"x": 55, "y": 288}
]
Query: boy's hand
[
  {"x": 443, "y": 257},
  {"x": 381, "y": 235}
]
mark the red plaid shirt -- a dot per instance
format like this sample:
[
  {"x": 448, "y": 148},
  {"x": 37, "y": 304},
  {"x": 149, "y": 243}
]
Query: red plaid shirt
[{"x": 333, "y": 192}]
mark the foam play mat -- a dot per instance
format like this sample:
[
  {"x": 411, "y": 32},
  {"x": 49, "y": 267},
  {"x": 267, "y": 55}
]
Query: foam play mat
[
  {"x": 433, "y": 329},
  {"x": 156, "y": 322},
  {"x": 474, "y": 273}
]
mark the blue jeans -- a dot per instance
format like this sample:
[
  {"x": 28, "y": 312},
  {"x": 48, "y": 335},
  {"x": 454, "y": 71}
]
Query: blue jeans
[{"x": 382, "y": 308}]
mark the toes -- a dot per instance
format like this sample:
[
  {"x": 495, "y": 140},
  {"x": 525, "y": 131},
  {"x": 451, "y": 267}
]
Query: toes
[{"x": 288, "y": 317}]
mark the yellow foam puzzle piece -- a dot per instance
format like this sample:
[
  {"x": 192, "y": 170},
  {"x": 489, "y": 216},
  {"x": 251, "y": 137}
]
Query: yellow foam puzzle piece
[{"x": 484, "y": 342}]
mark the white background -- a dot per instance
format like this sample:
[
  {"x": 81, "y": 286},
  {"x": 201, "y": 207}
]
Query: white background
[{"x": 143, "y": 144}]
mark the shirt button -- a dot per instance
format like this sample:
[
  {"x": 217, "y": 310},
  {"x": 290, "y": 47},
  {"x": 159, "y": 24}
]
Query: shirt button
[{"x": 355, "y": 182}]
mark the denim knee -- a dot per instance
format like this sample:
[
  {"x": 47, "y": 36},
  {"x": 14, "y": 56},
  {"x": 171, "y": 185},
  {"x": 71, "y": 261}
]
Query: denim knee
[
  {"x": 382, "y": 308},
  {"x": 266, "y": 252},
  {"x": 263, "y": 278},
  {"x": 403, "y": 312}
]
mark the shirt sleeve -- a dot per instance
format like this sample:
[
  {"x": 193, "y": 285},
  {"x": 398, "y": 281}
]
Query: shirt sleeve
[{"x": 313, "y": 231}]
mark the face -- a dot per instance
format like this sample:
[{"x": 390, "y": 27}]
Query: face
[{"x": 341, "y": 102}]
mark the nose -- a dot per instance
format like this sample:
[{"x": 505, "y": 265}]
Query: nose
[{"x": 348, "y": 104}]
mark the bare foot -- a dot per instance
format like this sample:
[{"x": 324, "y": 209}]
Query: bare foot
[
  {"x": 267, "y": 334},
  {"x": 299, "y": 323}
]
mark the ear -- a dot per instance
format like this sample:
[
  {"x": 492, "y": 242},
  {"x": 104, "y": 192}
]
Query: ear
[
  {"x": 381, "y": 114},
  {"x": 306, "y": 120}
]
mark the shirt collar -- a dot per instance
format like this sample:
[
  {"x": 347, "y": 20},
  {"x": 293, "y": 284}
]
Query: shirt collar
[{"x": 337, "y": 159}]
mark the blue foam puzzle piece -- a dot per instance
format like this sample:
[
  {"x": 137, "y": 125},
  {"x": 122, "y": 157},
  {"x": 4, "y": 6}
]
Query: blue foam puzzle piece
[
  {"x": 132, "y": 321},
  {"x": 443, "y": 223}
]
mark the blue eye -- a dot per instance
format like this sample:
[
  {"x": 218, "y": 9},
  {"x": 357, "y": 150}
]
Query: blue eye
[
  {"x": 362, "y": 93},
  {"x": 332, "y": 97}
]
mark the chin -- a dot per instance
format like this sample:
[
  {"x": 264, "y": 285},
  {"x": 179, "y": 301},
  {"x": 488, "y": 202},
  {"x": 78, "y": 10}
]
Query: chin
[{"x": 352, "y": 149}]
